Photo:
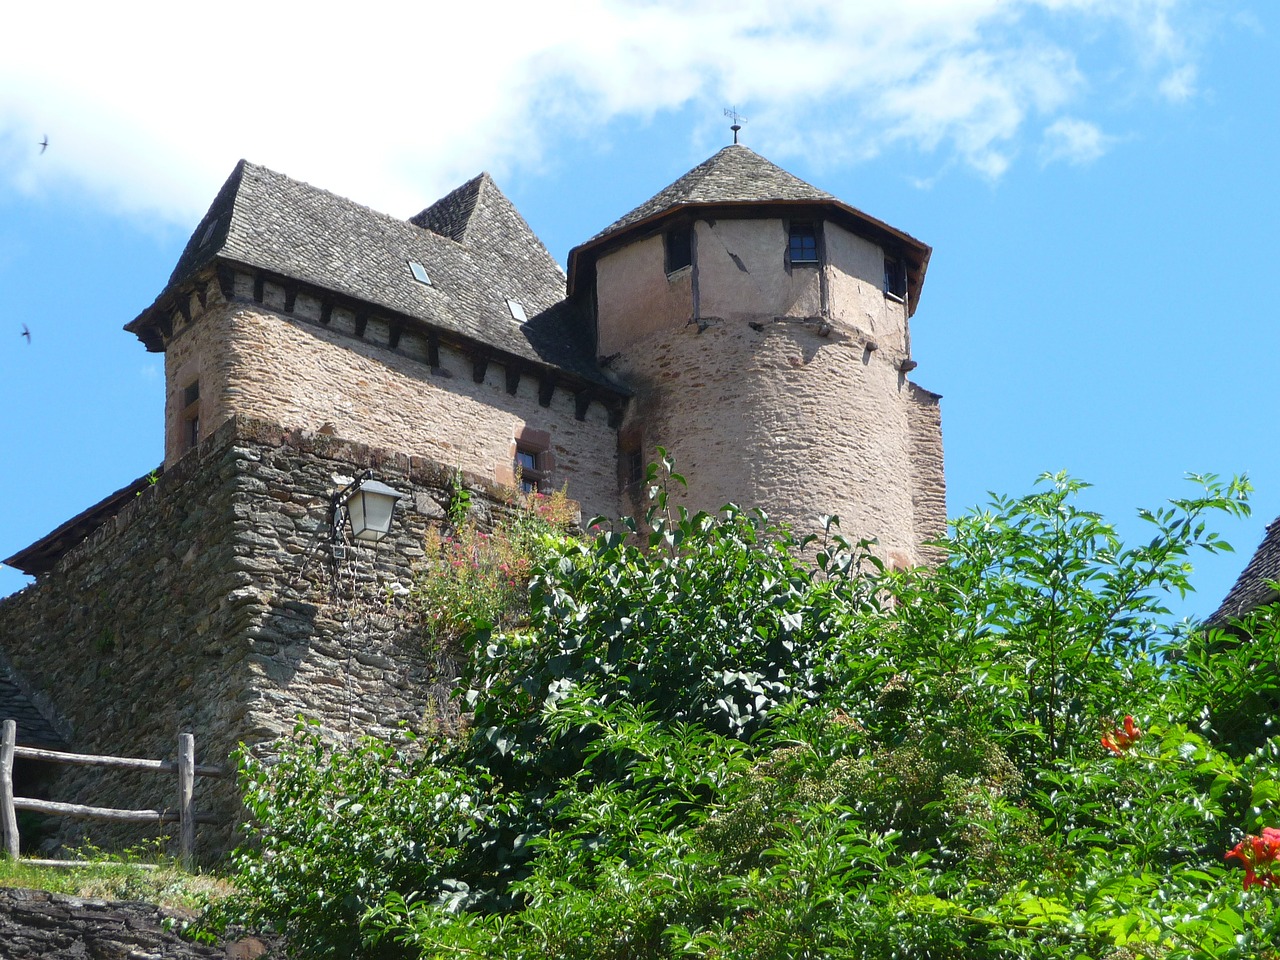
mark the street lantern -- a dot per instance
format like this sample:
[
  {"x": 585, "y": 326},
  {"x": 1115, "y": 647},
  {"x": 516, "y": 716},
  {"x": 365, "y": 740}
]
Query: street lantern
[{"x": 369, "y": 505}]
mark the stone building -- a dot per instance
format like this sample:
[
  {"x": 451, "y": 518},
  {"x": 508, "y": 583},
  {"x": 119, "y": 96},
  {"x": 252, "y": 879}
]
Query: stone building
[{"x": 755, "y": 326}]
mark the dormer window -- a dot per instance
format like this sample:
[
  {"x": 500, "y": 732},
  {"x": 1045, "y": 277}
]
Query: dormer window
[
  {"x": 679, "y": 243},
  {"x": 895, "y": 278},
  {"x": 803, "y": 246}
]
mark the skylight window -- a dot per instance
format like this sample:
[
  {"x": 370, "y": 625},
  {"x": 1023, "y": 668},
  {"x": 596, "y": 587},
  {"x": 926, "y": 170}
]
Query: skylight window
[
  {"x": 517, "y": 311},
  {"x": 419, "y": 272}
]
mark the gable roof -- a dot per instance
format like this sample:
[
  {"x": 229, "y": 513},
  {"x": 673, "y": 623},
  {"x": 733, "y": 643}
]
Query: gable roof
[
  {"x": 739, "y": 180},
  {"x": 41, "y": 556},
  {"x": 1251, "y": 587},
  {"x": 475, "y": 246}
]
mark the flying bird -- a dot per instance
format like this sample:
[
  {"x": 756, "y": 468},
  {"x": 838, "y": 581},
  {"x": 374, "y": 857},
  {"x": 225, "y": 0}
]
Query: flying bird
[
  {"x": 26, "y": 333},
  {"x": 44, "y": 144}
]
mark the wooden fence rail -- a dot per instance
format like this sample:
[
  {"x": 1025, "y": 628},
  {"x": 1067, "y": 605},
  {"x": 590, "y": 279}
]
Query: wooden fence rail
[{"x": 185, "y": 766}]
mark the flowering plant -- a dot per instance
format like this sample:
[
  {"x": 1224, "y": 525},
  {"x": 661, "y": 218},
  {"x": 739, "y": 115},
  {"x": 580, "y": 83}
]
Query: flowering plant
[
  {"x": 473, "y": 576},
  {"x": 1119, "y": 741},
  {"x": 1259, "y": 854}
]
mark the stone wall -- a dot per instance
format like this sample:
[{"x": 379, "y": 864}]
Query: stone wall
[
  {"x": 213, "y": 604},
  {"x": 929, "y": 488},
  {"x": 743, "y": 272},
  {"x": 35, "y": 925},
  {"x": 255, "y": 361},
  {"x": 799, "y": 416}
]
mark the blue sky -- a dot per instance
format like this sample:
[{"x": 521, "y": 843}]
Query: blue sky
[{"x": 1097, "y": 180}]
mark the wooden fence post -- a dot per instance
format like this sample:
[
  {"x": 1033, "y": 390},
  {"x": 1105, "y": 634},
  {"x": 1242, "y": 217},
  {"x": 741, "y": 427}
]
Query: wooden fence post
[
  {"x": 8, "y": 818},
  {"x": 186, "y": 798}
]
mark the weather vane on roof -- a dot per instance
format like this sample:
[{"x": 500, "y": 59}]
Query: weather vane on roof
[{"x": 738, "y": 121}]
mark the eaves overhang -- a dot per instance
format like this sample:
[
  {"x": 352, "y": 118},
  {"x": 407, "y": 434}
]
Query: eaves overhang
[
  {"x": 40, "y": 557},
  {"x": 153, "y": 326}
]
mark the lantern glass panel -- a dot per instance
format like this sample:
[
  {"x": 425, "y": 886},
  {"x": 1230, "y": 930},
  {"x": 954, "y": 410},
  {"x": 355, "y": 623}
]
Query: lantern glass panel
[{"x": 371, "y": 508}]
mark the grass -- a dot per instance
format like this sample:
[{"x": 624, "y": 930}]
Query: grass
[{"x": 159, "y": 882}]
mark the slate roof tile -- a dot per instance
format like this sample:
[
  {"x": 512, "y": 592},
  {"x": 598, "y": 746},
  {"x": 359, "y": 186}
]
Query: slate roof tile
[
  {"x": 33, "y": 729},
  {"x": 475, "y": 246},
  {"x": 1250, "y": 589},
  {"x": 736, "y": 174}
]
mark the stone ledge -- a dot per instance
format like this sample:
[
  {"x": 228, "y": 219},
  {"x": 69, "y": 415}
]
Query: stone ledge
[{"x": 35, "y": 924}]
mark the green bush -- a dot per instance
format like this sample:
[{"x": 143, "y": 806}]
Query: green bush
[
  {"x": 714, "y": 740},
  {"x": 336, "y": 830}
]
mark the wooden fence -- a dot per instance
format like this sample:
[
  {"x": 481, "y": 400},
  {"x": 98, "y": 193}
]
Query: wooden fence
[{"x": 186, "y": 768}]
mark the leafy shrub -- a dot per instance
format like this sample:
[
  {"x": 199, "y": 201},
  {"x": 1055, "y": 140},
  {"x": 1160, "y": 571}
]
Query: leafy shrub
[
  {"x": 337, "y": 830},
  {"x": 713, "y": 740}
]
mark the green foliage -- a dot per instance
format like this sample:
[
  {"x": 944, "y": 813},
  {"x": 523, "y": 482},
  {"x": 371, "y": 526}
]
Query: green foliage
[
  {"x": 715, "y": 620},
  {"x": 338, "y": 830},
  {"x": 1041, "y": 624},
  {"x": 472, "y": 577},
  {"x": 713, "y": 740}
]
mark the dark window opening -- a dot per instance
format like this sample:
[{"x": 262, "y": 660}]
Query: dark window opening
[
  {"x": 679, "y": 248},
  {"x": 895, "y": 277},
  {"x": 189, "y": 417},
  {"x": 634, "y": 466},
  {"x": 530, "y": 469},
  {"x": 631, "y": 465},
  {"x": 804, "y": 243}
]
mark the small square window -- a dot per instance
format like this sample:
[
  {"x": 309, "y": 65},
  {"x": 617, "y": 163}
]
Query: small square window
[
  {"x": 517, "y": 311},
  {"x": 529, "y": 469},
  {"x": 532, "y": 461},
  {"x": 679, "y": 243},
  {"x": 803, "y": 243}
]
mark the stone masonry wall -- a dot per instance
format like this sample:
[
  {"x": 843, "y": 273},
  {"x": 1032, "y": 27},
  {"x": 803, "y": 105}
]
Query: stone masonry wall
[
  {"x": 256, "y": 362},
  {"x": 35, "y": 925},
  {"x": 797, "y": 416},
  {"x": 212, "y": 604},
  {"x": 929, "y": 494}
]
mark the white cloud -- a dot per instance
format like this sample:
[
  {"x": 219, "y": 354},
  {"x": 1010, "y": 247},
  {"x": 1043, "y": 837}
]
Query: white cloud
[
  {"x": 1073, "y": 141},
  {"x": 1179, "y": 84},
  {"x": 148, "y": 105}
]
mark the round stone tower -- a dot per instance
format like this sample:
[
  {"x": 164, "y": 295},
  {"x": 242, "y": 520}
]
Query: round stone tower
[{"x": 762, "y": 325}]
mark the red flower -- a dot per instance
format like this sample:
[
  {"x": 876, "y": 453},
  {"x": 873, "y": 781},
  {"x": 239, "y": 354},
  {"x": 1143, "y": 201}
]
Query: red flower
[
  {"x": 1259, "y": 856},
  {"x": 1119, "y": 741}
]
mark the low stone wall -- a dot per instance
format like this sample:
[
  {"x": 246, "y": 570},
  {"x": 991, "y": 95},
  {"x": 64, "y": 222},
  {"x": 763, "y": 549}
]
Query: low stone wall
[
  {"x": 213, "y": 604},
  {"x": 38, "y": 925}
]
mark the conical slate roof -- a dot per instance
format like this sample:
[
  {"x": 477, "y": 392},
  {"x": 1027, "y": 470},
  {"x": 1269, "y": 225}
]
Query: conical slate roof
[
  {"x": 476, "y": 248},
  {"x": 736, "y": 174},
  {"x": 738, "y": 181}
]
